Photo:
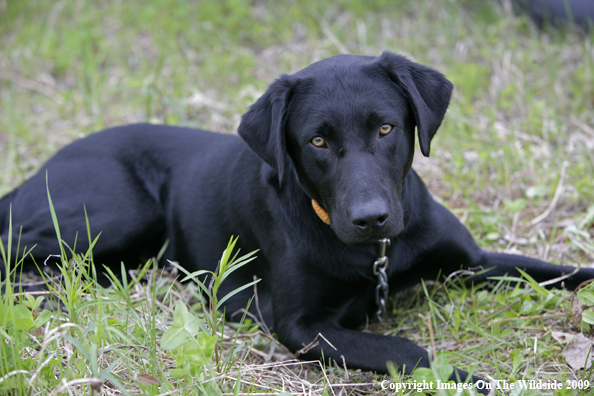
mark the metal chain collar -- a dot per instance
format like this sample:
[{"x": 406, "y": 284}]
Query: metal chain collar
[{"x": 379, "y": 270}]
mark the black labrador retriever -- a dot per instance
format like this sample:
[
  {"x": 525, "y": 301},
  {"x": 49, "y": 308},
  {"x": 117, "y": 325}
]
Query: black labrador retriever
[{"x": 323, "y": 173}]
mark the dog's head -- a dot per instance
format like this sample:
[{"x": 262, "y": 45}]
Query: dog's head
[{"x": 346, "y": 126}]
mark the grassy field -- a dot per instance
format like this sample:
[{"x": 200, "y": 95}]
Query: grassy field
[{"x": 514, "y": 160}]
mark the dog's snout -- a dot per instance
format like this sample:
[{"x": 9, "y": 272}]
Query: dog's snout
[{"x": 371, "y": 217}]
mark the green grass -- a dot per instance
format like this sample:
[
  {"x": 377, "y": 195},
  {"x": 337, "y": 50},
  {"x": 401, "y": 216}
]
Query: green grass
[{"x": 518, "y": 137}]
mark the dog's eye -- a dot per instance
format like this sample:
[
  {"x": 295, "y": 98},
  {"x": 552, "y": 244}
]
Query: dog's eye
[
  {"x": 385, "y": 129},
  {"x": 318, "y": 142}
]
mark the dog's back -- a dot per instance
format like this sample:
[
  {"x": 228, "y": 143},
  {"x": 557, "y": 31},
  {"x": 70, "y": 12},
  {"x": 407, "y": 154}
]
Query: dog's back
[{"x": 122, "y": 180}]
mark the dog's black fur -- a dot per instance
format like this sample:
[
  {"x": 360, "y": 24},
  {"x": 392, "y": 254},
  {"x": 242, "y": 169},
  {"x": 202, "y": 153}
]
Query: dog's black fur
[{"x": 145, "y": 184}]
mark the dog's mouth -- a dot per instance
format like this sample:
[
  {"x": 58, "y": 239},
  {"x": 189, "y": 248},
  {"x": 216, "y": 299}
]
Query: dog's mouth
[
  {"x": 351, "y": 232},
  {"x": 371, "y": 239}
]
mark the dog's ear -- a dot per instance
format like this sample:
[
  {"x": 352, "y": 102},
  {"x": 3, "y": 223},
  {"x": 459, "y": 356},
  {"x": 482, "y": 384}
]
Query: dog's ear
[
  {"x": 263, "y": 126},
  {"x": 427, "y": 90}
]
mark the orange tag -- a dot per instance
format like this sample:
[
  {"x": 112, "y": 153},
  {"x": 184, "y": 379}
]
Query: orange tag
[{"x": 322, "y": 214}]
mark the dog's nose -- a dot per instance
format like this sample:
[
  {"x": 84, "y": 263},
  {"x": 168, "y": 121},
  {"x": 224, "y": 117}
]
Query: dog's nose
[{"x": 370, "y": 217}]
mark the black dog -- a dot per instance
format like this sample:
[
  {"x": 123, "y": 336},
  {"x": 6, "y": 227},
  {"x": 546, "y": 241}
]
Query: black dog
[{"x": 339, "y": 134}]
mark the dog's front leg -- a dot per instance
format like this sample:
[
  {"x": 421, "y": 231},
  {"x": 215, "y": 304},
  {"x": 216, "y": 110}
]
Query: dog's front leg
[
  {"x": 367, "y": 351},
  {"x": 330, "y": 343},
  {"x": 500, "y": 264},
  {"x": 316, "y": 317},
  {"x": 447, "y": 246}
]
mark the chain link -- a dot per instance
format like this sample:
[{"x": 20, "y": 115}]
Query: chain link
[{"x": 379, "y": 269}]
